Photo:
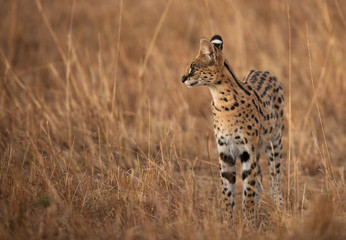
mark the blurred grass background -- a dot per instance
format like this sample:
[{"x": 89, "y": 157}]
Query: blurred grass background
[{"x": 100, "y": 139}]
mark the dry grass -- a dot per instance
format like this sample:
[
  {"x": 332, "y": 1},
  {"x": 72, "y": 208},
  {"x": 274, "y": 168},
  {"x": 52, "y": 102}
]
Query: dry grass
[{"x": 99, "y": 139}]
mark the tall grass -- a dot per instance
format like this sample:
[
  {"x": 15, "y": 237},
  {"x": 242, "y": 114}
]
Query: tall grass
[{"x": 99, "y": 138}]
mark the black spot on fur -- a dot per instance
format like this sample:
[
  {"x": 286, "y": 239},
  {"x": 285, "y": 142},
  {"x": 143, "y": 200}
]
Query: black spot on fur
[
  {"x": 227, "y": 159},
  {"x": 244, "y": 157},
  {"x": 229, "y": 176},
  {"x": 245, "y": 174},
  {"x": 252, "y": 183}
]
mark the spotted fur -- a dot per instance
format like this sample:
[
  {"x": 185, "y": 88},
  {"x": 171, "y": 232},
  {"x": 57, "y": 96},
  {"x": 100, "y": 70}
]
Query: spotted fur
[{"x": 248, "y": 119}]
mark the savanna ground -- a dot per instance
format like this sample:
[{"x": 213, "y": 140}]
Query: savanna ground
[{"x": 99, "y": 139}]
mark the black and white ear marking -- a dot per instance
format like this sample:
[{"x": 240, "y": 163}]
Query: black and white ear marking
[{"x": 216, "y": 40}]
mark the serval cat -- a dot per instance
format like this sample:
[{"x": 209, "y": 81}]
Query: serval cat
[{"x": 248, "y": 118}]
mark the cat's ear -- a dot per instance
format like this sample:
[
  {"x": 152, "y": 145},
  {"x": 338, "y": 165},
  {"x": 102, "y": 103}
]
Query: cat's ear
[
  {"x": 217, "y": 41},
  {"x": 206, "y": 48}
]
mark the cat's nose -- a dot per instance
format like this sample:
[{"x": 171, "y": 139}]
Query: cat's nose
[{"x": 184, "y": 78}]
